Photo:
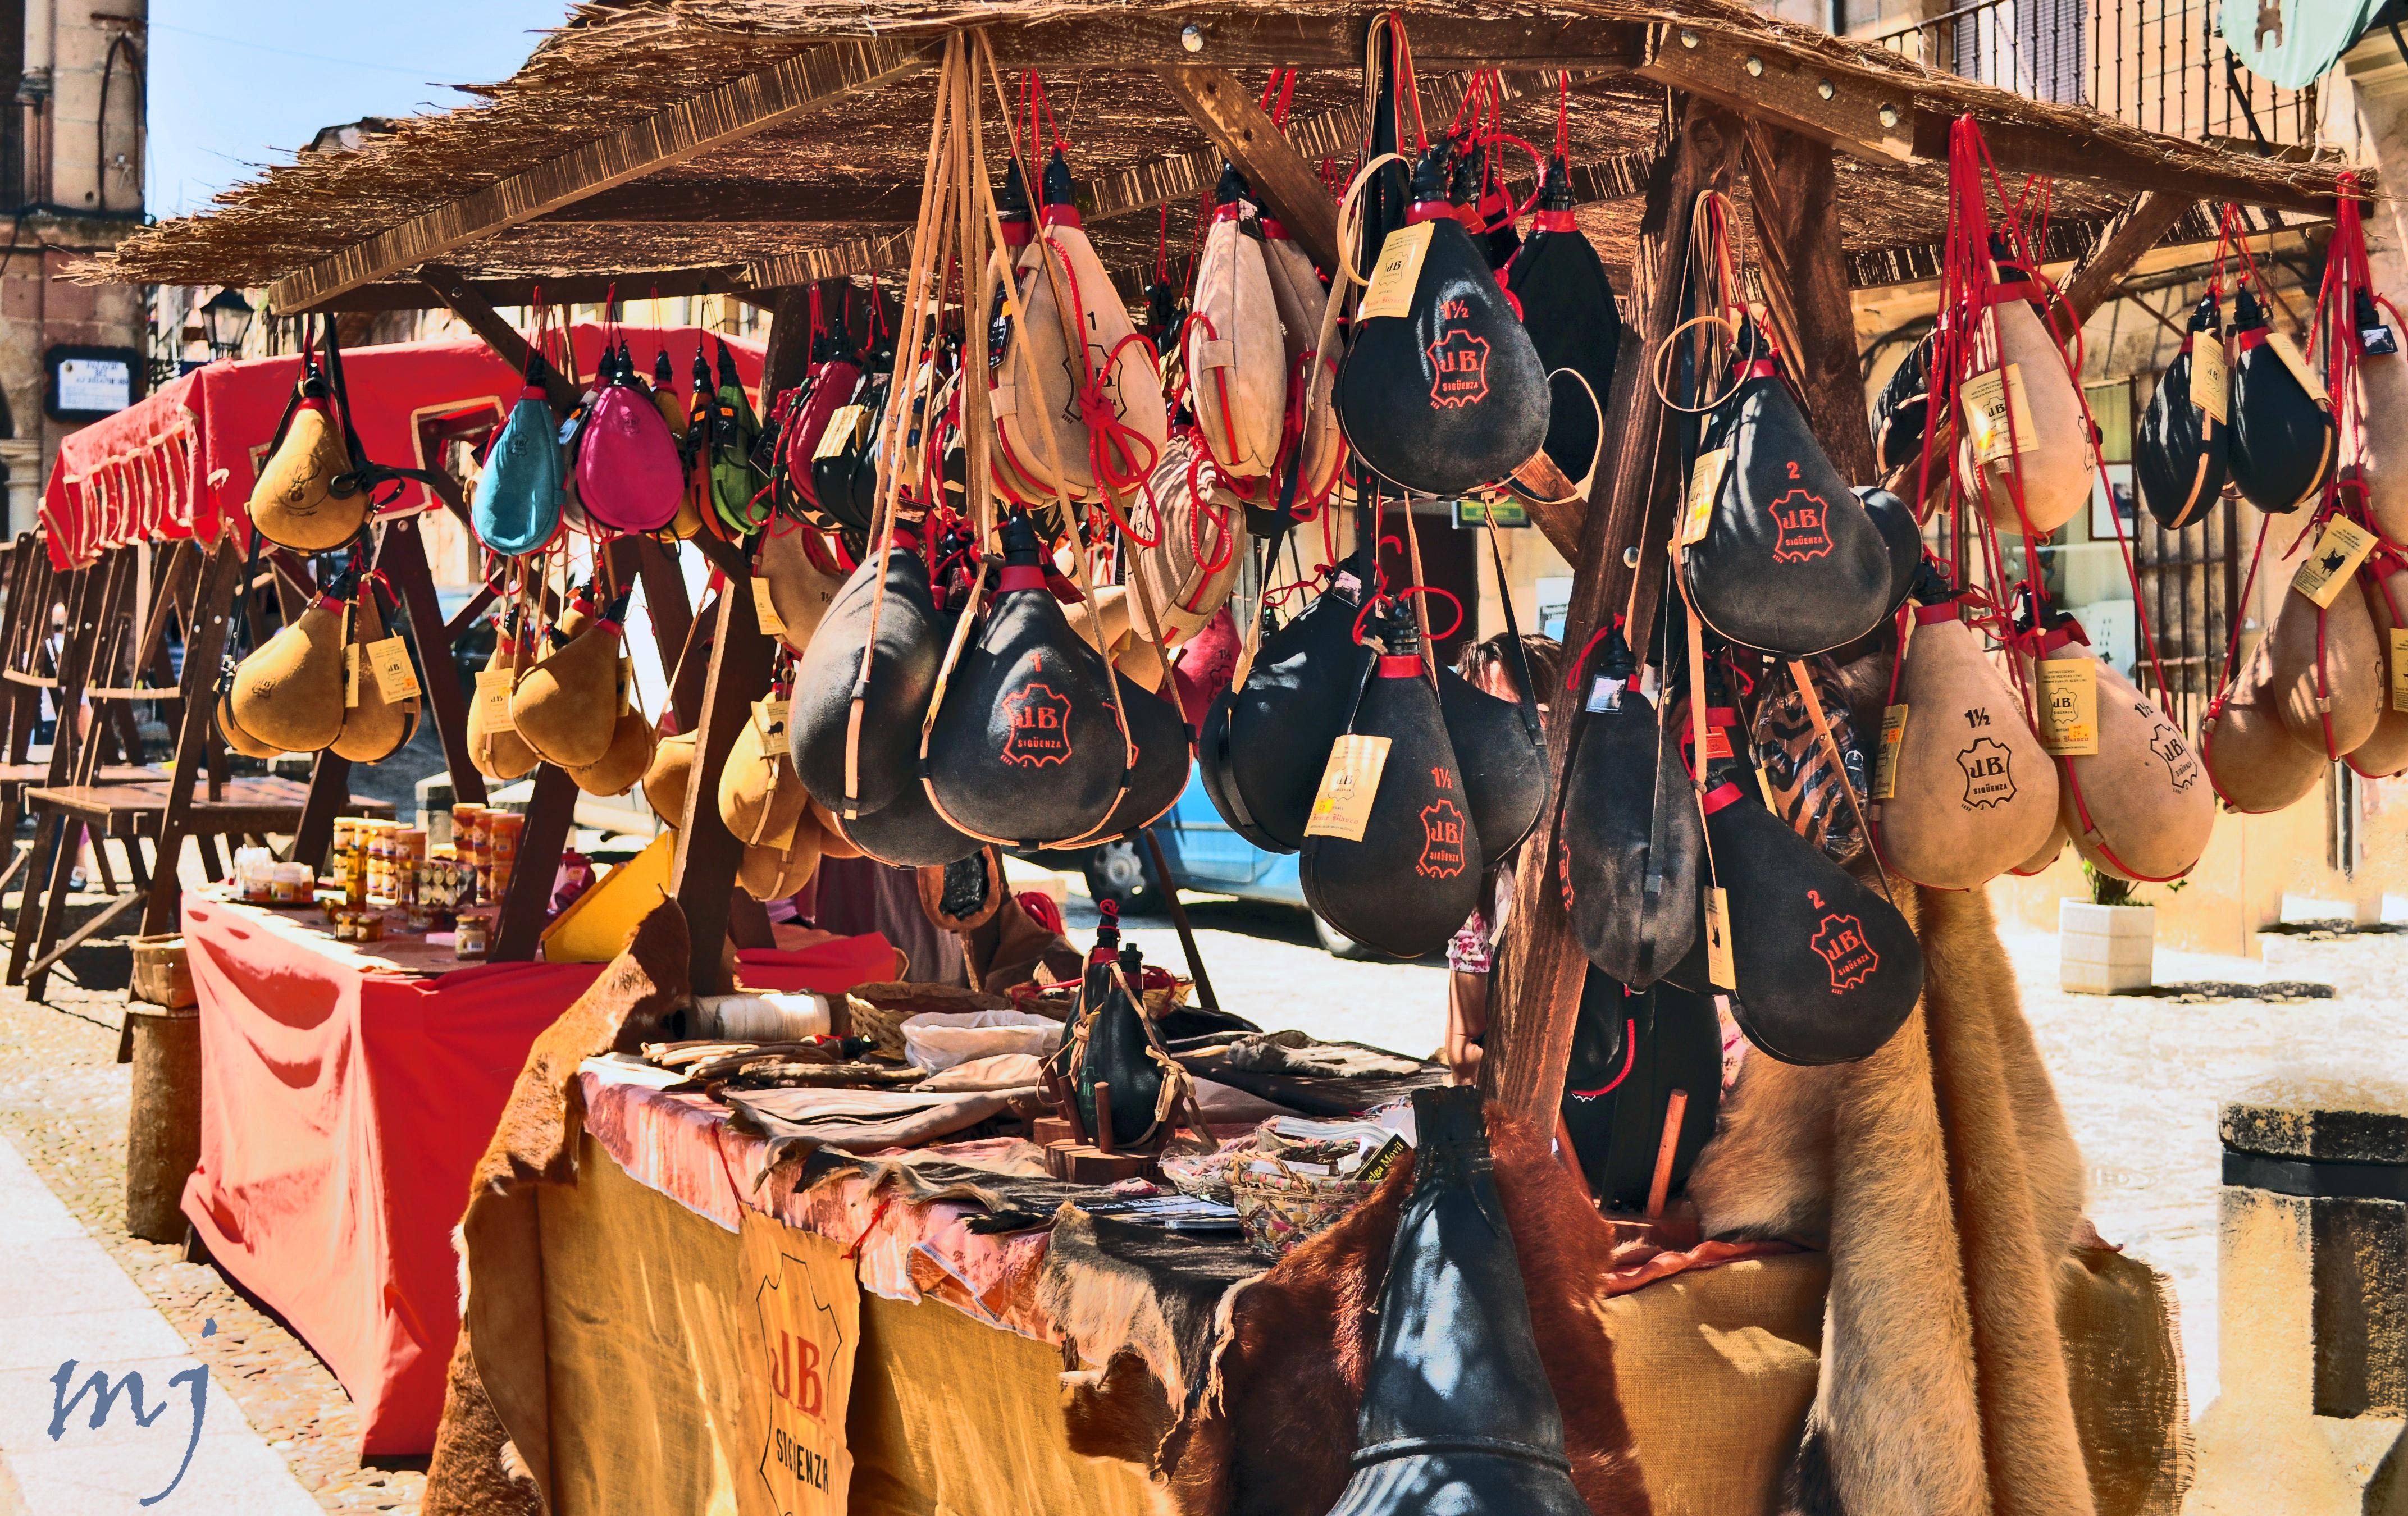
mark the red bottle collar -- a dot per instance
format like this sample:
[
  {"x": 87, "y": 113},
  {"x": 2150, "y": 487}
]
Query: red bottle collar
[
  {"x": 2252, "y": 338},
  {"x": 1059, "y": 216},
  {"x": 1430, "y": 210},
  {"x": 1553, "y": 220},
  {"x": 1401, "y": 666},
  {"x": 1933, "y": 615},
  {"x": 1020, "y": 577},
  {"x": 1722, "y": 797}
]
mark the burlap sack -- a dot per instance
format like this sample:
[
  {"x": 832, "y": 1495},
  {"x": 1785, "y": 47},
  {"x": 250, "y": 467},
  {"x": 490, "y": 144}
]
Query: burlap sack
[
  {"x": 2140, "y": 808},
  {"x": 2328, "y": 670},
  {"x": 567, "y": 706},
  {"x": 374, "y": 728},
  {"x": 1974, "y": 794},
  {"x": 2385, "y": 753},
  {"x": 2055, "y": 470},
  {"x": 1237, "y": 356},
  {"x": 2251, "y": 758},
  {"x": 289, "y": 693}
]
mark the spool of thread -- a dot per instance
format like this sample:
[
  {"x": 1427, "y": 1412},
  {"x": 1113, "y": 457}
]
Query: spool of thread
[{"x": 762, "y": 1018}]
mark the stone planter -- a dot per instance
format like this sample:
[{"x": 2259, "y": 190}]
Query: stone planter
[{"x": 2105, "y": 950}]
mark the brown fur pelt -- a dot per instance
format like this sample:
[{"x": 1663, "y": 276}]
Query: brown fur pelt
[
  {"x": 1940, "y": 1175},
  {"x": 493, "y": 1449},
  {"x": 1271, "y": 1434}
]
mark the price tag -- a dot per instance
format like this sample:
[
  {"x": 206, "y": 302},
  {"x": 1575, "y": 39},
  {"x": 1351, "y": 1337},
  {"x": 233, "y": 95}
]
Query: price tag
[
  {"x": 493, "y": 698},
  {"x": 1705, "y": 483},
  {"x": 2069, "y": 707},
  {"x": 2211, "y": 382},
  {"x": 1398, "y": 273},
  {"x": 351, "y": 675},
  {"x": 1342, "y": 807},
  {"x": 770, "y": 717},
  {"x": 2289, "y": 351},
  {"x": 1893, "y": 737},
  {"x": 2399, "y": 668},
  {"x": 1719, "y": 971},
  {"x": 840, "y": 427},
  {"x": 397, "y": 680},
  {"x": 764, "y": 609},
  {"x": 1989, "y": 399},
  {"x": 2340, "y": 549},
  {"x": 1605, "y": 694},
  {"x": 2378, "y": 342}
]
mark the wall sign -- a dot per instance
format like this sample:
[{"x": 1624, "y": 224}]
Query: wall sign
[
  {"x": 87, "y": 383},
  {"x": 801, "y": 1327}
]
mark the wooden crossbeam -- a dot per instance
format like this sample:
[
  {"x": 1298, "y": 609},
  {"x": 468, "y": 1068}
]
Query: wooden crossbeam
[
  {"x": 736, "y": 109},
  {"x": 1287, "y": 185},
  {"x": 506, "y": 342},
  {"x": 1263, "y": 36}
]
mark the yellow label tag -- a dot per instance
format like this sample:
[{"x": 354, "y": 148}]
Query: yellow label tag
[
  {"x": 840, "y": 428},
  {"x": 1718, "y": 946},
  {"x": 770, "y": 717},
  {"x": 2289, "y": 351},
  {"x": 2340, "y": 549},
  {"x": 1705, "y": 483},
  {"x": 1399, "y": 272},
  {"x": 1991, "y": 399},
  {"x": 2399, "y": 668},
  {"x": 1893, "y": 736},
  {"x": 493, "y": 698},
  {"x": 1342, "y": 807},
  {"x": 764, "y": 610},
  {"x": 2211, "y": 383},
  {"x": 351, "y": 675},
  {"x": 397, "y": 680},
  {"x": 2069, "y": 707}
]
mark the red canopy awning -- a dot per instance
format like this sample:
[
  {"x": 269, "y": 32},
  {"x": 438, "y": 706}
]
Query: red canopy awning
[{"x": 181, "y": 462}]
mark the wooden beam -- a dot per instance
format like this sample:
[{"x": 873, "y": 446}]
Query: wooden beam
[
  {"x": 1542, "y": 967},
  {"x": 402, "y": 558},
  {"x": 448, "y": 286},
  {"x": 1793, "y": 191},
  {"x": 702, "y": 874},
  {"x": 743, "y": 202},
  {"x": 1289, "y": 187},
  {"x": 1241, "y": 36},
  {"x": 2136, "y": 228},
  {"x": 734, "y": 110},
  {"x": 408, "y": 293}
]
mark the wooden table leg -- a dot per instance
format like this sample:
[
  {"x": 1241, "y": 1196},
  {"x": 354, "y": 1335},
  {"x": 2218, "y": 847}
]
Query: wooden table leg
[
  {"x": 54, "y": 907},
  {"x": 42, "y": 854}
]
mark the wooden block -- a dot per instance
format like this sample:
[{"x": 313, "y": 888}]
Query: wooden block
[
  {"x": 1083, "y": 1164},
  {"x": 1046, "y": 1130}
]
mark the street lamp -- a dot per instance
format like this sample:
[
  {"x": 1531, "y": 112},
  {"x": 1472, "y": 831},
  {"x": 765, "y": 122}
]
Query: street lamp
[{"x": 225, "y": 320}]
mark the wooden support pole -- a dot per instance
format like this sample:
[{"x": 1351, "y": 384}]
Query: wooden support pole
[
  {"x": 402, "y": 558},
  {"x": 549, "y": 814},
  {"x": 1542, "y": 966},
  {"x": 204, "y": 647},
  {"x": 1805, "y": 264},
  {"x": 1290, "y": 188},
  {"x": 702, "y": 877}
]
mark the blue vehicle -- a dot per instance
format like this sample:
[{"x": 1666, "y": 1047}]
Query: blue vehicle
[{"x": 1204, "y": 854}]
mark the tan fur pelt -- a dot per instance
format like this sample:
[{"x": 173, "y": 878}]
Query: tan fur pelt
[
  {"x": 492, "y": 1447},
  {"x": 1942, "y": 1177},
  {"x": 1271, "y": 1433}
]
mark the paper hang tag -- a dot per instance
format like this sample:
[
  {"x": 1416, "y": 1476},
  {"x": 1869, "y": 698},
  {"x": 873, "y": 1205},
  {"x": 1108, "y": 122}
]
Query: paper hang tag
[
  {"x": 2289, "y": 351},
  {"x": 351, "y": 675},
  {"x": 1342, "y": 806},
  {"x": 2378, "y": 342},
  {"x": 2211, "y": 383},
  {"x": 1605, "y": 694},
  {"x": 493, "y": 699},
  {"x": 2069, "y": 707},
  {"x": 2399, "y": 668},
  {"x": 1988, "y": 397},
  {"x": 1705, "y": 483},
  {"x": 396, "y": 678},
  {"x": 1893, "y": 736},
  {"x": 1399, "y": 272},
  {"x": 1719, "y": 971},
  {"x": 770, "y": 717},
  {"x": 764, "y": 610},
  {"x": 840, "y": 428},
  {"x": 2340, "y": 549}
]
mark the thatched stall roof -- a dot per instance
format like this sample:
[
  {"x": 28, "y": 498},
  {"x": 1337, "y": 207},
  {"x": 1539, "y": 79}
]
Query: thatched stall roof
[{"x": 736, "y": 144}]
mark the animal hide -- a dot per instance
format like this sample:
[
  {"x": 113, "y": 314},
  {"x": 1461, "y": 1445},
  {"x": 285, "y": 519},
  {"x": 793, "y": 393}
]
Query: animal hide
[
  {"x": 493, "y": 1449},
  {"x": 1940, "y": 1175},
  {"x": 1271, "y": 1434}
]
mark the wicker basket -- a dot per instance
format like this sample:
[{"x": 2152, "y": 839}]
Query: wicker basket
[
  {"x": 1283, "y": 1207},
  {"x": 877, "y": 1010},
  {"x": 161, "y": 975}
]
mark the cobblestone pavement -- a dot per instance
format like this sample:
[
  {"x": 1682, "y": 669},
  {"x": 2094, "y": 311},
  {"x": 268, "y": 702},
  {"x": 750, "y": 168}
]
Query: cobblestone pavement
[
  {"x": 2142, "y": 1079},
  {"x": 63, "y": 1103}
]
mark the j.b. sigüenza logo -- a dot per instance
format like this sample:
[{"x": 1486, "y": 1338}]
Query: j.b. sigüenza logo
[
  {"x": 1803, "y": 520},
  {"x": 1840, "y": 941},
  {"x": 1458, "y": 359},
  {"x": 1442, "y": 849},
  {"x": 1041, "y": 726}
]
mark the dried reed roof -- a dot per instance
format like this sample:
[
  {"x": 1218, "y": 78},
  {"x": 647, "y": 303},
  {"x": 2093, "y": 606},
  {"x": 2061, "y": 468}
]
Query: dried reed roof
[{"x": 825, "y": 179}]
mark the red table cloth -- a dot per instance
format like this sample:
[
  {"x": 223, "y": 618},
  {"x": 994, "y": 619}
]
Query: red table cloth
[{"x": 343, "y": 1107}]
